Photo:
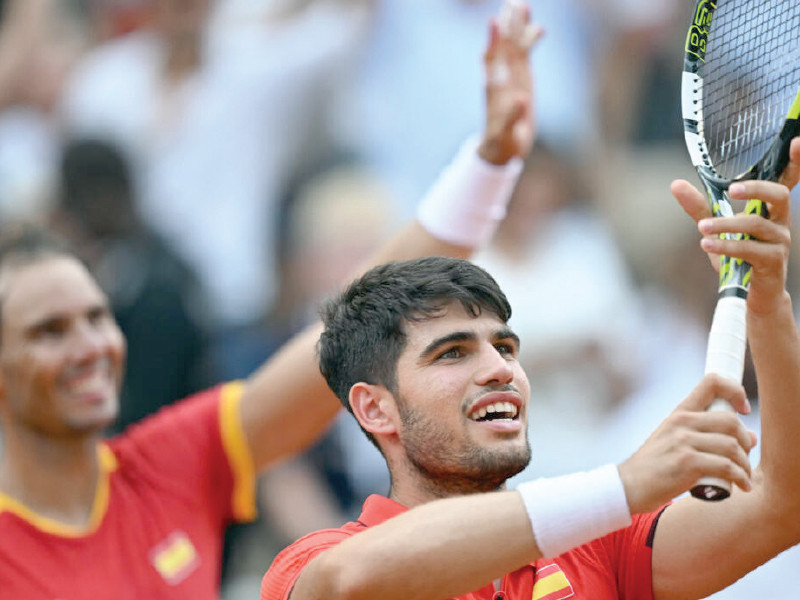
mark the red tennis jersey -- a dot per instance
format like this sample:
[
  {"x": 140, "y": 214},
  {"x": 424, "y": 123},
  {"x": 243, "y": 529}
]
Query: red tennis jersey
[
  {"x": 614, "y": 567},
  {"x": 167, "y": 489}
]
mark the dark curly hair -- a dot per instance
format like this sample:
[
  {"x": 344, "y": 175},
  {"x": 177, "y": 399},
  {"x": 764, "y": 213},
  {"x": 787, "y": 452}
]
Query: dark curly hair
[{"x": 365, "y": 330}]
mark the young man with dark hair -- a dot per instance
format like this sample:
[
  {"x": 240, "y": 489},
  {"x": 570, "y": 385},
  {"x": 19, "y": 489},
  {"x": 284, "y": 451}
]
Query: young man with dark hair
[
  {"x": 142, "y": 515},
  {"x": 420, "y": 352}
]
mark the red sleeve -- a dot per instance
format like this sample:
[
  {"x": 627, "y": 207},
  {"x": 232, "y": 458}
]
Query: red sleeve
[
  {"x": 631, "y": 552},
  {"x": 196, "y": 449},
  {"x": 287, "y": 566}
]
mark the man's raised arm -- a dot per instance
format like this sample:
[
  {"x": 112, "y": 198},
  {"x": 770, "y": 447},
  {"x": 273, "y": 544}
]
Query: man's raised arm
[
  {"x": 731, "y": 538},
  {"x": 286, "y": 404}
]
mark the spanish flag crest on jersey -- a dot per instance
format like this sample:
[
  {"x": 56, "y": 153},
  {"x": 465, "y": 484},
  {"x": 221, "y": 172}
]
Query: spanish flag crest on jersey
[
  {"x": 175, "y": 557},
  {"x": 551, "y": 584}
]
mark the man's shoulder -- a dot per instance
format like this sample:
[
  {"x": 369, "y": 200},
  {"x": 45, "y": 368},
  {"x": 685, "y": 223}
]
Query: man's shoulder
[
  {"x": 313, "y": 543},
  {"x": 189, "y": 418},
  {"x": 376, "y": 510},
  {"x": 289, "y": 563}
]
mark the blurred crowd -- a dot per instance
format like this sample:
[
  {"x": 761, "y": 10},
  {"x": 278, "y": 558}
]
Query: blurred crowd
[{"x": 220, "y": 163}]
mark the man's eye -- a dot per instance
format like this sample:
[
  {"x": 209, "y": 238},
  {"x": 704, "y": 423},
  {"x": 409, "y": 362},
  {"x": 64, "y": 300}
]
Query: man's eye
[
  {"x": 51, "y": 329},
  {"x": 451, "y": 353},
  {"x": 506, "y": 349},
  {"x": 97, "y": 315}
]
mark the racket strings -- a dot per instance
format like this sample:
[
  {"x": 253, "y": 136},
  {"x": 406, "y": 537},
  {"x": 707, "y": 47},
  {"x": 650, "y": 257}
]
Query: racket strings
[{"x": 750, "y": 77}]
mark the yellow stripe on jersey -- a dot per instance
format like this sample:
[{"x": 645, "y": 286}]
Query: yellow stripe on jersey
[
  {"x": 235, "y": 444},
  {"x": 108, "y": 463}
]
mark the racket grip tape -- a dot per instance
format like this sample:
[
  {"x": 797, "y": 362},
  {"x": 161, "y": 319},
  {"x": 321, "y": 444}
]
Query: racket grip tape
[{"x": 727, "y": 344}]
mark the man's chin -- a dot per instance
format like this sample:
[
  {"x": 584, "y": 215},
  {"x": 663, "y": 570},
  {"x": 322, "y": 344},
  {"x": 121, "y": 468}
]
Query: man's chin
[
  {"x": 492, "y": 470},
  {"x": 96, "y": 420}
]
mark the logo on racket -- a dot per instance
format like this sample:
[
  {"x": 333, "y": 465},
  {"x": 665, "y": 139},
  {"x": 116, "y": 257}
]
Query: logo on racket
[
  {"x": 698, "y": 33},
  {"x": 739, "y": 277}
]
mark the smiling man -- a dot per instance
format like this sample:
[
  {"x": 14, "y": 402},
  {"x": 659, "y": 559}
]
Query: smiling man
[
  {"x": 142, "y": 514},
  {"x": 63, "y": 353},
  {"x": 421, "y": 354}
]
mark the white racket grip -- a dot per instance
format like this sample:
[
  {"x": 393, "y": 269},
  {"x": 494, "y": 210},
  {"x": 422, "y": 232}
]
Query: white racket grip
[{"x": 727, "y": 343}]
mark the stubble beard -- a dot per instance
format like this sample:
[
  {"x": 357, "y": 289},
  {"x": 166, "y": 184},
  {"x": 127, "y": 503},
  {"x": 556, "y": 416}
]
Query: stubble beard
[{"x": 448, "y": 466}]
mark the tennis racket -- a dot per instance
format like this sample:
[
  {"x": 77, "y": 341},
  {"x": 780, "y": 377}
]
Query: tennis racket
[{"x": 740, "y": 99}]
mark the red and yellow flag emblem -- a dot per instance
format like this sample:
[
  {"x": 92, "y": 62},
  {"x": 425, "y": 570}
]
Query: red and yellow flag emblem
[
  {"x": 551, "y": 584},
  {"x": 175, "y": 558}
]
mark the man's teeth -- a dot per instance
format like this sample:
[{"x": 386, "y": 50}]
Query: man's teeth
[
  {"x": 498, "y": 410},
  {"x": 90, "y": 384}
]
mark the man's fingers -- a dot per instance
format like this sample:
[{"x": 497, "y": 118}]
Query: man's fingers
[
  {"x": 727, "y": 447},
  {"x": 791, "y": 174},
  {"x": 516, "y": 114},
  {"x": 713, "y": 387},
  {"x": 512, "y": 33},
  {"x": 691, "y": 200},
  {"x": 776, "y": 196},
  {"x": 531, "y": 36},
  {"x": 712, "y": 444},
  {"x": 494, "y": 40},
  {"x": 759, "y": 228},
  {"x": 513, "y": 19},
  {"x": 721, "y": 467},
  {"x": 721, "y": 433}
]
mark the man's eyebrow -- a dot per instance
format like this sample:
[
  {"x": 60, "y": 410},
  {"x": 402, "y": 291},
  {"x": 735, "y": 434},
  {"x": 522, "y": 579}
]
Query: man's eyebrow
[
  {"x": 456, "y": 336},
  {"x": 43, "y": 322},
  {"x": 507, "y": 334},
  {"x": 39, "y": 322}
]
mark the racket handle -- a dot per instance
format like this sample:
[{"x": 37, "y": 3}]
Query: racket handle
[{"x": 727, "y": 344}]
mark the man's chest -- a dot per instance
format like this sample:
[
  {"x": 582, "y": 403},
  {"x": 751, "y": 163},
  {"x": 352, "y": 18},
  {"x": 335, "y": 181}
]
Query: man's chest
[
  {"x": 549, "y": 581},
  {"x": 137, "y": 551}
]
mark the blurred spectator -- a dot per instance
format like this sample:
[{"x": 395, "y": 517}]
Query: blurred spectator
[
  {"x": 217, "y": 115},
  {"x": 39, "y": 40},
  {"x": 154, "y": 295},
  {"x": 638, "y": 50}
]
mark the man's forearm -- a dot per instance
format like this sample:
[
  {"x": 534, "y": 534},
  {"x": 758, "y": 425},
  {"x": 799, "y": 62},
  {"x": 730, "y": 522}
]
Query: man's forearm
[
  {"x": 439, "y": 550},
  {"x": 775, "y": 347}
]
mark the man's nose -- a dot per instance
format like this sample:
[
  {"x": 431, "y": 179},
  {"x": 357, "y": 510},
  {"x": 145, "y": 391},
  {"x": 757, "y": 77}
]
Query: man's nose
[
  {"x": 495, "y": 368},
  {"x": 88, "y": 341}
]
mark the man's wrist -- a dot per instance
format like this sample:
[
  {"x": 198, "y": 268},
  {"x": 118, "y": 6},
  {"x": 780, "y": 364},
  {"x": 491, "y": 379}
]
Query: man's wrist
[
  {"x": 495, "y": 153},
  {"x": 468, "y": 201},
  {"x": 571, "y": 510}
]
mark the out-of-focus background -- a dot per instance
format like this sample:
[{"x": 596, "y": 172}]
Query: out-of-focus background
[{"x": 223, "y": 163}]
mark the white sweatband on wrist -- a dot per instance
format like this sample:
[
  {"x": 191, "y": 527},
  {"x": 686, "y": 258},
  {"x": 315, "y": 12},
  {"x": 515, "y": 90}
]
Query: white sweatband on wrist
[
  {"x": 469, "y": 199},
  {"x": 571, "y": 510}
]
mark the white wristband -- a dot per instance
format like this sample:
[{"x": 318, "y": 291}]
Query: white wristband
[
  {"x": 469, "y": 199},
  {"x": 571, "y": 510}
]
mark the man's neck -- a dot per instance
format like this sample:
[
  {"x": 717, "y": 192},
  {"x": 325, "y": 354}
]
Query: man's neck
[
  {"x": 55, "y": 477},
  {"x": 414, "y": 490}
]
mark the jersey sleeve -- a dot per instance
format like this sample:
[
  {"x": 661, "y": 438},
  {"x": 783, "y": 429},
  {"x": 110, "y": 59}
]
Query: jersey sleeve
[
  {"x": 631, "y": 552},
  {"x": 196, "y": 448},
  {"x": 279, "y": 580}
]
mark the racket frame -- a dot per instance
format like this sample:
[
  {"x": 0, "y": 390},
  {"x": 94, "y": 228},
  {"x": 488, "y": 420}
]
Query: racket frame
[{"x": 727, "y": 341}]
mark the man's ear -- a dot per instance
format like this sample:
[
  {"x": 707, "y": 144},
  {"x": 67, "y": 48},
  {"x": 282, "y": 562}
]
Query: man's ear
[{"x": 374, "y": 408}]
